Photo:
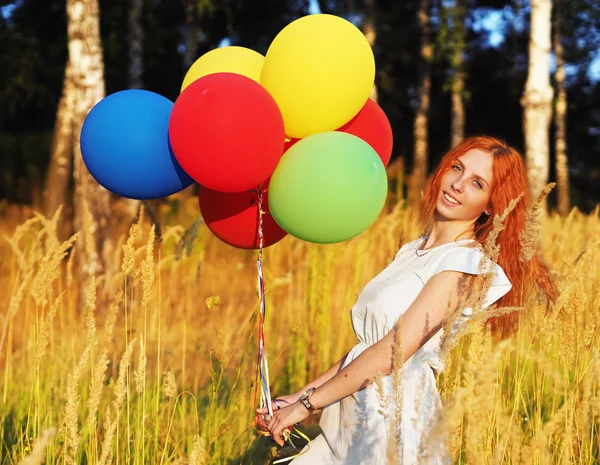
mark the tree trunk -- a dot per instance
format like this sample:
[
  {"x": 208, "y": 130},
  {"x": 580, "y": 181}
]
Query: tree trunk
[
  {"x": 136, "y": 44},
  {"x": 191, "y": 34},
  {"x": 136, "y": 68},
  {"x": 537, "y": 98},
  {"x": 85, "y": 55},
  {"x": 560, "y": 117},
  {"x": 458, "y": 78},
  {"x": 419, "y": 174},
  {"x": 59, "y": 171},
  {"x": 370, "y": 31}
]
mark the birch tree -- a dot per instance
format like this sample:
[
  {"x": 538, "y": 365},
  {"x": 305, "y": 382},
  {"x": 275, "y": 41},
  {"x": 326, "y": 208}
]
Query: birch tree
[
  {"x": 420, "y": 160},
  {"x": 91, "y": 201},
  {"x": 560, "y": 115},
  {"x": 61, "y": 155},
  {"x": 537, "y": 98}
]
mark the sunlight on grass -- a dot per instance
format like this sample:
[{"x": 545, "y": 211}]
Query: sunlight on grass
[{"x": 157, "y": 363}]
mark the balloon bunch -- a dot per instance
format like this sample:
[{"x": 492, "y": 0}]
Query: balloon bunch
[
  {"x": 296, "y": 126},
  {"x": 285, "y": 143}
]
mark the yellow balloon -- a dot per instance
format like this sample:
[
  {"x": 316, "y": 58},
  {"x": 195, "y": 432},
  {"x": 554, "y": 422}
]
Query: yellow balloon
[
  {"x": 320, "y": 70},
  {"x": 238, "y": 60}
]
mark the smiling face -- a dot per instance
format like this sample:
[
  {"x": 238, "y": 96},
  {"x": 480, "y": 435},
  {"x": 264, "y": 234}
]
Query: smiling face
[{"x": 465, "y": 189}]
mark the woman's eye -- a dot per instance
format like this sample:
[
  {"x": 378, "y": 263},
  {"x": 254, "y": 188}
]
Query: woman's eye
[
  {"x": 456, "y": 167},
  {"x": 478, "y": 185}
]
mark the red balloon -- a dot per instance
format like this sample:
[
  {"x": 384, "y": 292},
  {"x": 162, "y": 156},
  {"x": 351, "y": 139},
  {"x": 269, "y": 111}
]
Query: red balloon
[
  {"x": 233, "y": 218},
  {"x": 372, "y": 126},
  {"x": 227, "y": 132}
]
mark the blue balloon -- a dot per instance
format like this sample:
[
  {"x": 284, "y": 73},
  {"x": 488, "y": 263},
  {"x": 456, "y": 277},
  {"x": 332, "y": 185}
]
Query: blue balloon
[{"x": 125, "y": 146}]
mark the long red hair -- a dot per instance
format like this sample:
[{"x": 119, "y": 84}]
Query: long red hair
[{"x": 509, "y": 181}]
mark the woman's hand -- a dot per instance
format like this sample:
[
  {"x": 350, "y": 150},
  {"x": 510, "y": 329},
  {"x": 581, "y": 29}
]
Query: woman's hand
[
  {"x": 285, "y": 419},
  {"x": 277, "y": 404}
]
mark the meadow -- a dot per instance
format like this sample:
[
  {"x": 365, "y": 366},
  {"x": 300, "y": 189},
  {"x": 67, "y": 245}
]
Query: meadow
[{"x": 156, "y": 363}]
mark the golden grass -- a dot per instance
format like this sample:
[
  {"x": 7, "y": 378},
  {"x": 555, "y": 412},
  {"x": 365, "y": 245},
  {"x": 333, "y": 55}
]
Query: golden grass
[{"x": 159, "y": 367}]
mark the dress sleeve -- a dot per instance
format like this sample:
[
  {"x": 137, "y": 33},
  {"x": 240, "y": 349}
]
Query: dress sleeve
[{"x": 470, "y": 260}]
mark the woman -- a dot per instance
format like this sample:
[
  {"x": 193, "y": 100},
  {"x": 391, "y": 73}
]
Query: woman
[{"x": 414, "y": 297}]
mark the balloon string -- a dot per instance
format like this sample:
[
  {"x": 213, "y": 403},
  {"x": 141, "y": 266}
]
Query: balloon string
[
  {"x": 262, "y": 366},
  {"x": 262, "y": 385}
]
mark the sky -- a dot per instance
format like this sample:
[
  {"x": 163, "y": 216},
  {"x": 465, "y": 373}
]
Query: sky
[{"x": 493, "y": 21}]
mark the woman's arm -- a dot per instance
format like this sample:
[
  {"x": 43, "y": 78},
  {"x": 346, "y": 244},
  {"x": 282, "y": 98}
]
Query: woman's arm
[
  {"x": 325, "y": 376},
  {"x": 291, "y": 398},
  {"x": 418, "y": 324}
]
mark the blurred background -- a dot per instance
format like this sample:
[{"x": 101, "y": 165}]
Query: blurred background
[
  {"x": 177, "y": 309},
  {"x": 445, "y": 69}
]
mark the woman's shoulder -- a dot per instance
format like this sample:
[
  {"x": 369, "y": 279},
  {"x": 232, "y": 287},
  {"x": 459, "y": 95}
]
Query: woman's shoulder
[{"x": 470, "y": 258}]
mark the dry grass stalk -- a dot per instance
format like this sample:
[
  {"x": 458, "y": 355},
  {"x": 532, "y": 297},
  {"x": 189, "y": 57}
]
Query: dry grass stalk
[
  {"x": 90, "y": 319},
  {"x": 530, "y": 235},
  {"x": 50, "y": 228},
  {"x": 531, "y": 382},
  {"x": 538, "y": 449},
  {"x": 148, "y": 268},
  {"x": 72, "y": 398},
  {"x": 140, "y": 372},
  {"x": 170, "y": 386},
  {"x": 15, "y": 239},
  {"x": 120, "y": 392},
  {"x": 492, "y": 248},
  {"x": 92, "y": 265},
  {"x": 198, "y": 455},
  {"x": 396, "y": 440},
  {"x": 38, "y": 454},
  {"x": 44, "y": 333},
  {"x": 129, "y": 250},
  {"x": 13, "y": 306},
  {"x": 99, "y": 372},
  {"x": 453, "y": 333},
  {"x": 382, "y": 396},
  {"x": 49, "y": 271}
]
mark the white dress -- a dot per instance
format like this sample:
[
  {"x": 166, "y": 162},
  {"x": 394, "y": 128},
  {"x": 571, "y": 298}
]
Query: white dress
[{"x": 353, "y": 429}]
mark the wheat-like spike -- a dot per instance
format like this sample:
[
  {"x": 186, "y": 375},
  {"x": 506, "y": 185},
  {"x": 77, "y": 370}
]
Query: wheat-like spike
[
  {"x": 49, "y": 271},
  {"x": 531, "y": 232},
  {"x": 148, "y": 269},
  {"x": 382, "y": 396},
  {"x": 396, "y": 446},
  {"x": 50, "y": 229},
  {"x": 140, "y": 372},
  {"x": 44, "y": 334},
  {"x": 198, "y": 455},
  {"x": 99, "y": 373},
  {"x": 110, "y": 429},
  {"x": 92, "y": 266},
  {"x": 15, "y": 239},
  {"x": 170, "y": 386},
  {"x": 491, "y": 248},
  {"x": 38, "y": 454},
  {"x": 90, "y": 320},
  {"x": 120, "y": 392},
  {"x": 129, "y": 250},
  {"x": 72, "y": 437}
]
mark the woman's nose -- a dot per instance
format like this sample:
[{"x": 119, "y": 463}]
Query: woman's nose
[{"x": 457, "y": 185}]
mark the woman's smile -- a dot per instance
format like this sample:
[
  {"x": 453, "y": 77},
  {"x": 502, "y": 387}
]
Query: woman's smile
[{"x": 451, "y": 201}]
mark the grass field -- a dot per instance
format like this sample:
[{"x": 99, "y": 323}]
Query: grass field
[{"x": 157, "y": 364}]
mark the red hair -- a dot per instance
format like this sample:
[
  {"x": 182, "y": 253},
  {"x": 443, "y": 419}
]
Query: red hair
[{"x": 509, "y": 181}]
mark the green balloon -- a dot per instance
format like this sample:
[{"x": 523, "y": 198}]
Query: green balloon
[{"x": 328, "y": 187}]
